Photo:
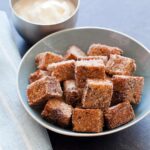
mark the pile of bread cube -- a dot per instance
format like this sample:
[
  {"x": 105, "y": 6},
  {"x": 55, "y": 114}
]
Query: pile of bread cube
[{"x": 85, "y": 92}]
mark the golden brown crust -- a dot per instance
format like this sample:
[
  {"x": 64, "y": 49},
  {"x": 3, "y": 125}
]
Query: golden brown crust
[
  {"x": 38, "y": 74},
  {"x": 97, "y": 94},
  {"x": 103, "y": 50},
  {"x": 43, "y": 89},
  {"x": 88, "y": 69},
  {"x": 87, "y": 120},
  {"x": 127, "y": 88},
  {"x": 73, "y": 53},
  {"x": 62, "y": 70},
  {"x": 72, "y": 94},
  {"x": 42, "y": 60},
  {"x": 118, "y": 115},
  {"x": 119, "y": 65},
  {"x": 58, "y": 112}
]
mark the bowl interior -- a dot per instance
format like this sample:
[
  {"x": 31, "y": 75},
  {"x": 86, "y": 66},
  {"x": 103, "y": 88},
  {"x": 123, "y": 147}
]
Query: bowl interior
[{"x": 83, "y": 37}]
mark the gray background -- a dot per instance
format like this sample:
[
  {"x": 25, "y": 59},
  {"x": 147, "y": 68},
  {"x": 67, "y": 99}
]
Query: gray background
[{"x": 131, "y": 17}]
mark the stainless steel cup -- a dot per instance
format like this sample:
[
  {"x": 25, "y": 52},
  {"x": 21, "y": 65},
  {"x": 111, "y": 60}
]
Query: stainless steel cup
[{"x": 34, "y": 32}]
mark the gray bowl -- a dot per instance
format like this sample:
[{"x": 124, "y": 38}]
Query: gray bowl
[
  {"x": 34, "y": 32},
  {"x": 83, "y": 37}
]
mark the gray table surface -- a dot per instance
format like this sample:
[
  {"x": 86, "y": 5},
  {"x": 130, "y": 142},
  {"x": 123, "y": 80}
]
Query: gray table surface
[{"x": 131, "y": 17}]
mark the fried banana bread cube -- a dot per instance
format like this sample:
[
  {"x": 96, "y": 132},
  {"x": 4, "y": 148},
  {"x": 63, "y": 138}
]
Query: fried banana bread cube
[
  {"x": 62, "y": 70},
  {"x": 42, "y": 60},
  {"x": 41, "y": 90},
  {"x": 127, "y": 88},
  {"x": 120, "y": 65},
  {"x": 56, "y": 111},
  {"x": 103, "y": 58},
  {"x": 118, "y": 115},
  {"x": 38, "y": 74},
  {"x": 103, "y": 50},
  {"x": 88, "y": 69},
  {"x": 72, "y": 94},
  {"x": 87, "y": 120},
  {"x": 97, "y": 94},
  {"x": 74, "y": 52}
]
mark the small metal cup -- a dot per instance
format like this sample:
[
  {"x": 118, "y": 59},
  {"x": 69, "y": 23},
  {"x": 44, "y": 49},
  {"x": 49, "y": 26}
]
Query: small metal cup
[{"x": 33, "y": 32}]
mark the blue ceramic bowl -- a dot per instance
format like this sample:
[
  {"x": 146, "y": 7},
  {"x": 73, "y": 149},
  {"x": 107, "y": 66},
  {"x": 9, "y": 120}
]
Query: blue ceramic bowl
[{"x": 83, "y": 37}]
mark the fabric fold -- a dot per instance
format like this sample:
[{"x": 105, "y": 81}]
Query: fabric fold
[{"x": 18, "y": 131}]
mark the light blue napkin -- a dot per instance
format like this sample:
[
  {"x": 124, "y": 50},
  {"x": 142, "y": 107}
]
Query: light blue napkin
[{"x": 18, "y": 131}]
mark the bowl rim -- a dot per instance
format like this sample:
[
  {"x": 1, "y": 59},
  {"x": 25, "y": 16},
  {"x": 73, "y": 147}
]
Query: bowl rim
[
  {"x": 38, "y": 24},
  {"x": 68, "y": 133}
]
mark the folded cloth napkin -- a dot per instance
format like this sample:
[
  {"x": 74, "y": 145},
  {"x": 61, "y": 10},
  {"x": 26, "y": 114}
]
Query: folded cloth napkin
[{"x": 18, "y": 131}]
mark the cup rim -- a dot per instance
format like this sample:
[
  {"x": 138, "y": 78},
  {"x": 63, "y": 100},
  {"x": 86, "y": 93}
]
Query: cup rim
[{"x": 38, "y": 24}]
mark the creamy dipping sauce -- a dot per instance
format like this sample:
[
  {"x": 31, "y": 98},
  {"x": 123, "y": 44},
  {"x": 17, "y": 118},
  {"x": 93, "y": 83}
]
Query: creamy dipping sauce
[{"x": 44, "y": 11}]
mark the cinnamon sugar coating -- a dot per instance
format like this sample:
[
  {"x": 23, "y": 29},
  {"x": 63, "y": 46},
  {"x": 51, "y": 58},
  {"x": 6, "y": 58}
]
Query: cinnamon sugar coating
[
  {"x": 103, "y": 58},
  {"x": 41, "y": 90},
  {"x": 72, "y": 94},
  {"x": 87, "y": 120},
  {"x": 62, "y": 70},
  {"x": 97, "y": 94},
  {"x": 118, "y": 115},
  {"x": 38, "y": 74},
  {"x": 103, "y": 50},
  {"x": 58, "y": 112},
  {"x": 92, "y": 69},
  {"x": 42, "y": 60},
  {"x": 120, "y": 65},
  {"x": 74, "y": 52},
  {"x": 127, "y": 88}
]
